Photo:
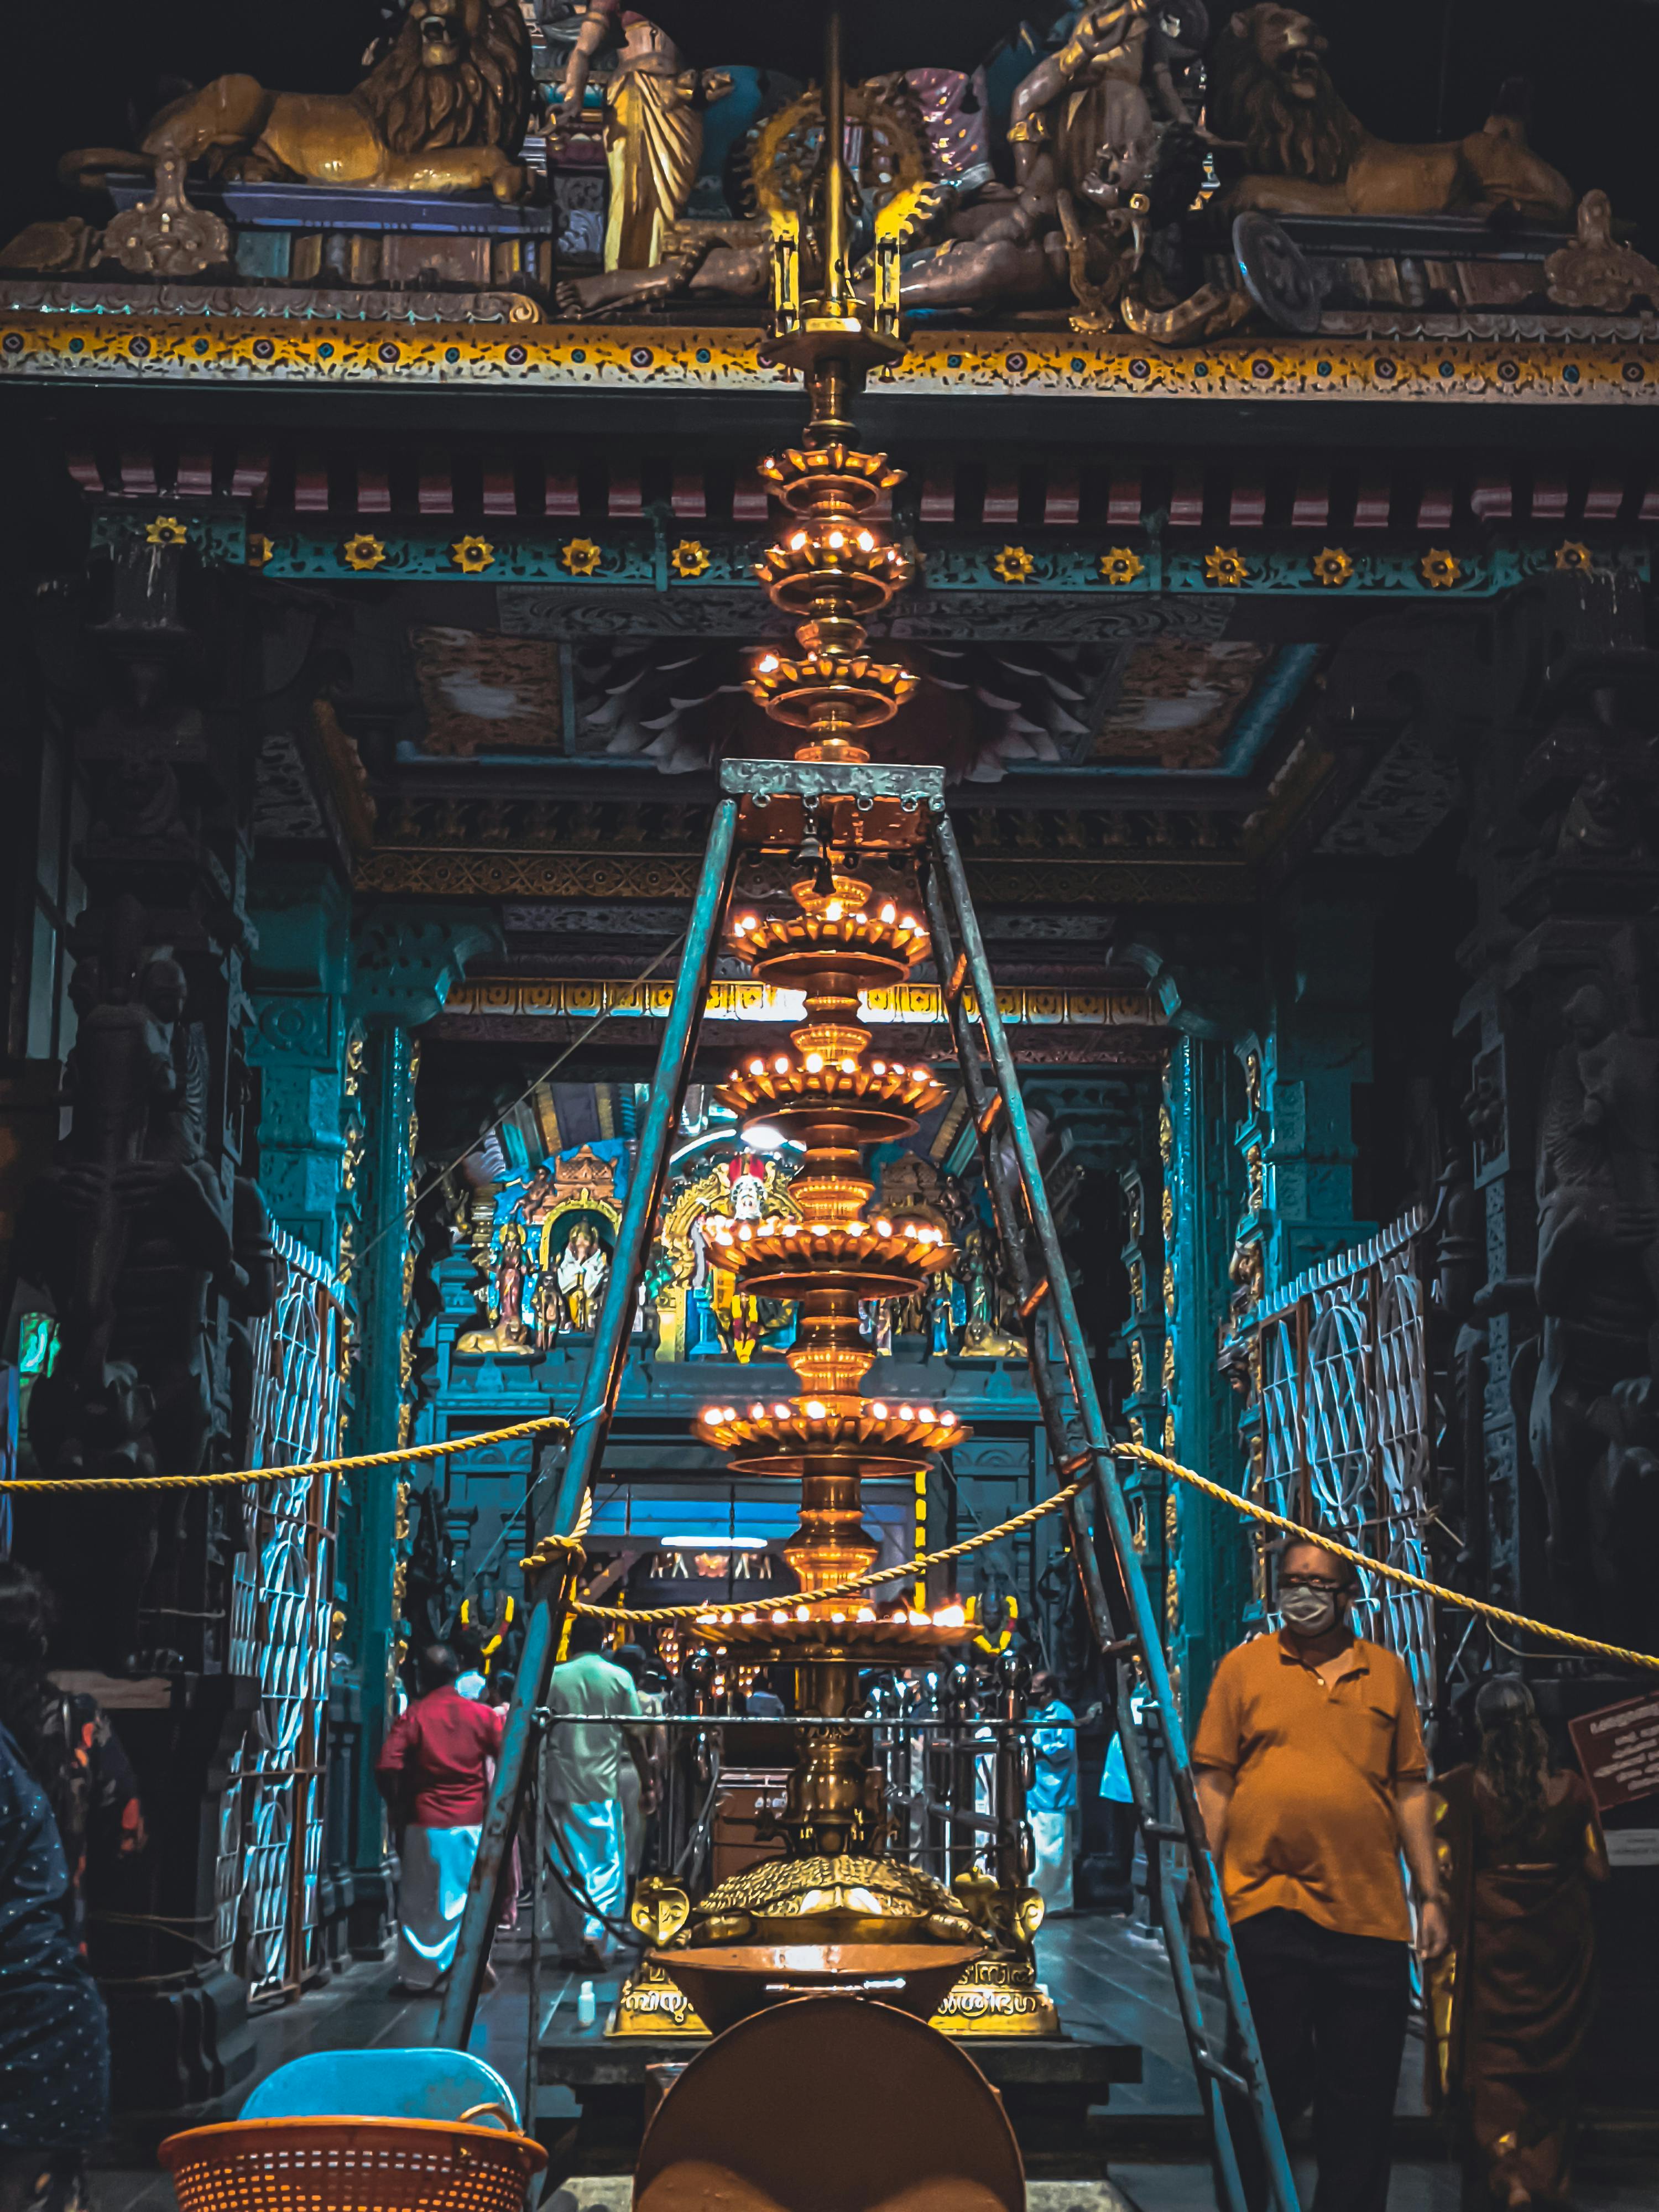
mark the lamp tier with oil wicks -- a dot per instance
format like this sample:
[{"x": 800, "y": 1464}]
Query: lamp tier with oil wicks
[{"x": 831, "y": 569}]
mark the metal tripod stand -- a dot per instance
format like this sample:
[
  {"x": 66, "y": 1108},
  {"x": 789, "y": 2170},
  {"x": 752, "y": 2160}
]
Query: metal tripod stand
[{"x": 774, "y": 804}]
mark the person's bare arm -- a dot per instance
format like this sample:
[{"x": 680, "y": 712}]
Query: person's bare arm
[
  {"x": 639, "y": 1750},
  {"x": 599, "y": 26},
  {"x": 1414, "y": 1809},
  {"x": 1215, "y": 1788}
]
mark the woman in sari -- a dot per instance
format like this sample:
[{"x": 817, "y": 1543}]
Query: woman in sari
[{"x": 1510, "y": 2004}]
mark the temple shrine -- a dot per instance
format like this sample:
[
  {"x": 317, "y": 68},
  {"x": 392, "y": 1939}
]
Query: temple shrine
[{"x": 834, "y": 839}]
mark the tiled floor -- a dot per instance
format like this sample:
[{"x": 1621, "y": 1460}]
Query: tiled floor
[{"x": 1105, "y": 1983}]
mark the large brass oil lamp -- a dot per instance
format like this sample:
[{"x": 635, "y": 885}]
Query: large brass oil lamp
[{"x": 832, "y": 568}]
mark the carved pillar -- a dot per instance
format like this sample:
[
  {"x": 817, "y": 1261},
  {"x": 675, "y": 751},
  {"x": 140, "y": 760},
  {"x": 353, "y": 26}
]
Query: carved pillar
[
  {"x": 1296, "y": 1141},
  {"x": 1146, "y": 1337},
  {"x": 1562, "y": 1022},
  {"x": 403, "y": 960},
  {"x": 145, "y": 1237},
  {"x": 1564, "y": 1107}
]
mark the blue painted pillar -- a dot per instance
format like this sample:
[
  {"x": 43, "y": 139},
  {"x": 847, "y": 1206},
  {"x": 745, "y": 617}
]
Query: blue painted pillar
[
  {"x": 403, "y": 963},
  {"x": 1316, "y": 1066},
  {"x": 297, "y": 981},
  {"x": 1207, "y": 1560}
]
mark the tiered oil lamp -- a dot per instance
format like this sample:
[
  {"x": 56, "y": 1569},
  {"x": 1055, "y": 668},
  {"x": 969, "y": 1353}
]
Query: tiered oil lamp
[
  {"x": 837, "y": 1102},
  {"x": 838, "y": 1881}
]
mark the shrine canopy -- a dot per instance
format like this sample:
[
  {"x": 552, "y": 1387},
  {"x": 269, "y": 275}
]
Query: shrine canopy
[{"x": 879, "y": 37}]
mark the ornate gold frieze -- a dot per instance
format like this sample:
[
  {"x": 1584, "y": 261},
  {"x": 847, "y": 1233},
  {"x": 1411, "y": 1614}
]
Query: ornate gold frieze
[
  {"x": 444, "y": 874},
  {"x": 586, "y": 999},
  {"x": 190, "y": 343}
]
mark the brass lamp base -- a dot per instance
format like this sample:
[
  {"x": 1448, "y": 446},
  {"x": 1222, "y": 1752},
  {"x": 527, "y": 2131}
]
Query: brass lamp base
[
  {"x": 652, "y": 2004},
  {"x": 998, "y": 1997},
  {"x": 849, "y": 1898}
]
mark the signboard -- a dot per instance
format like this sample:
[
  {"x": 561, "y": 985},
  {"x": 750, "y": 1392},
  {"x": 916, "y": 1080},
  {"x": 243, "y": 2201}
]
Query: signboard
[
  {"x": 1619, "y": 1750},
  {"x": 1629, "y": 1847}
]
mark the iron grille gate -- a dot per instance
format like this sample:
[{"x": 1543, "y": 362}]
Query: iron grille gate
[
  {"x": 1347, "y": 1422},
  {"x": 281, "y": 1602}
]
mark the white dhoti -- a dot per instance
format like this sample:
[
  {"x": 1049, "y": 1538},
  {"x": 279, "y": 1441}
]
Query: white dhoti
[
  {"x": 437, "y": 1866},
  {"x": 1051, "y": 1877},
  {"x": 586, "y": 1847},
  {"x": 628, "y": 1781}
]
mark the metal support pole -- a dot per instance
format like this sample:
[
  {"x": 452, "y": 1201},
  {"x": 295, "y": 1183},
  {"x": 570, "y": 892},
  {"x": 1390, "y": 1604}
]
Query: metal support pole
[
  {"x": 1110, "y": 1497},
  {"x": 539, "y": 1845},
  {"x": 835, "y": 201},
  {"x": 591, "y": 1423}
]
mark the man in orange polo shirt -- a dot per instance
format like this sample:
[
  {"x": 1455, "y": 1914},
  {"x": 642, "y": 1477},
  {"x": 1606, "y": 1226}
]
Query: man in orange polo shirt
[{"x": 1312, "y": 1779}]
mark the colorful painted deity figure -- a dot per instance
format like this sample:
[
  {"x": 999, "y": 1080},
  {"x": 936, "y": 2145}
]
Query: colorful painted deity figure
[
  {"x": 508, "y": 1301},
  {"x": 739, "y": 1319},
  {"x": 543, "y": 1250},
  {"x": 702, "y": 1317},
  {"x": 583, "y": 1271}
]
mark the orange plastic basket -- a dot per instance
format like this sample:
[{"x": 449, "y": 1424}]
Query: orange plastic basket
[{"x": 349, "y": 2165}]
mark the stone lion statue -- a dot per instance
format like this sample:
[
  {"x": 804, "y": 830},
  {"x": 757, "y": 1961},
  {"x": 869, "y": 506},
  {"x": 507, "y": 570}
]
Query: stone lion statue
[
  {"x": 442, "y": 110},
  {"x": 1306, "y": 153}
]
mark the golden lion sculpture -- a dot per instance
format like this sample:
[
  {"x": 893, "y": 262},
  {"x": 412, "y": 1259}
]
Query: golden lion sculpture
[
  {"x": 1305, "y": 153},
  {"x": 443, "y": 110}
]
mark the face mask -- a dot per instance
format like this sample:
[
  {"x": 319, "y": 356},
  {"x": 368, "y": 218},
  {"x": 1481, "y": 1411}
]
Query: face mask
[{"x": 1309, "y": 1612}]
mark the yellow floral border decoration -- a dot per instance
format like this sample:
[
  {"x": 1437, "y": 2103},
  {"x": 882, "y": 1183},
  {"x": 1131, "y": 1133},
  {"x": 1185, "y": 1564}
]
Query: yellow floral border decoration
[{"x": 1226, "y": 567}]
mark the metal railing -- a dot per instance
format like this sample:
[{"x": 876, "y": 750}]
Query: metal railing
[
  {"x": 283, "y": 1583},
  {"x": 1347, "y": 1415}
]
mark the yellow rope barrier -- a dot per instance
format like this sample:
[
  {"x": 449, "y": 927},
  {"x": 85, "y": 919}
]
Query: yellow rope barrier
[
  {"x": 1401, "y": 1575},
  {"x": 652, "y": 1615},
  {"x": 50, "y": 1485},
  {"x": 1218, "y": 1491},
  {"x": 876, "y": 1575}
]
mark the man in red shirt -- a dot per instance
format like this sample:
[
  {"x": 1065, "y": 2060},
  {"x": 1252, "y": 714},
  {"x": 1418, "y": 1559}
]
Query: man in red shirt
[{"x": 434, "y": 1773}]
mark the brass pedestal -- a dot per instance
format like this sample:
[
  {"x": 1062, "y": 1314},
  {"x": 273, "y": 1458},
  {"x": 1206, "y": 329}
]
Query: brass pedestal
[{"x": 848, "y": 1899}]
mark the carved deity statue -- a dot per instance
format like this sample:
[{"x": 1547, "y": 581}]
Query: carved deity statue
[
  {"x": 1597, "y": 1291},
  {"x": 1088, "y": 126},
  {"x": 652, "y": 128}
]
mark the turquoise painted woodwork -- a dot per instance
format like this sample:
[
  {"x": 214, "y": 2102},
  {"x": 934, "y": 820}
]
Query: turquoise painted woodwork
[
  {"x": 1208, "y": 1580},
  {"x": 664, "y": 555}
]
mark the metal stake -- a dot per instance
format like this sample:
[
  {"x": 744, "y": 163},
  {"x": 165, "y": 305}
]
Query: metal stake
[
  {"x": 1125, "y": 1611},
  {"x": 591, "y": 1423}
]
